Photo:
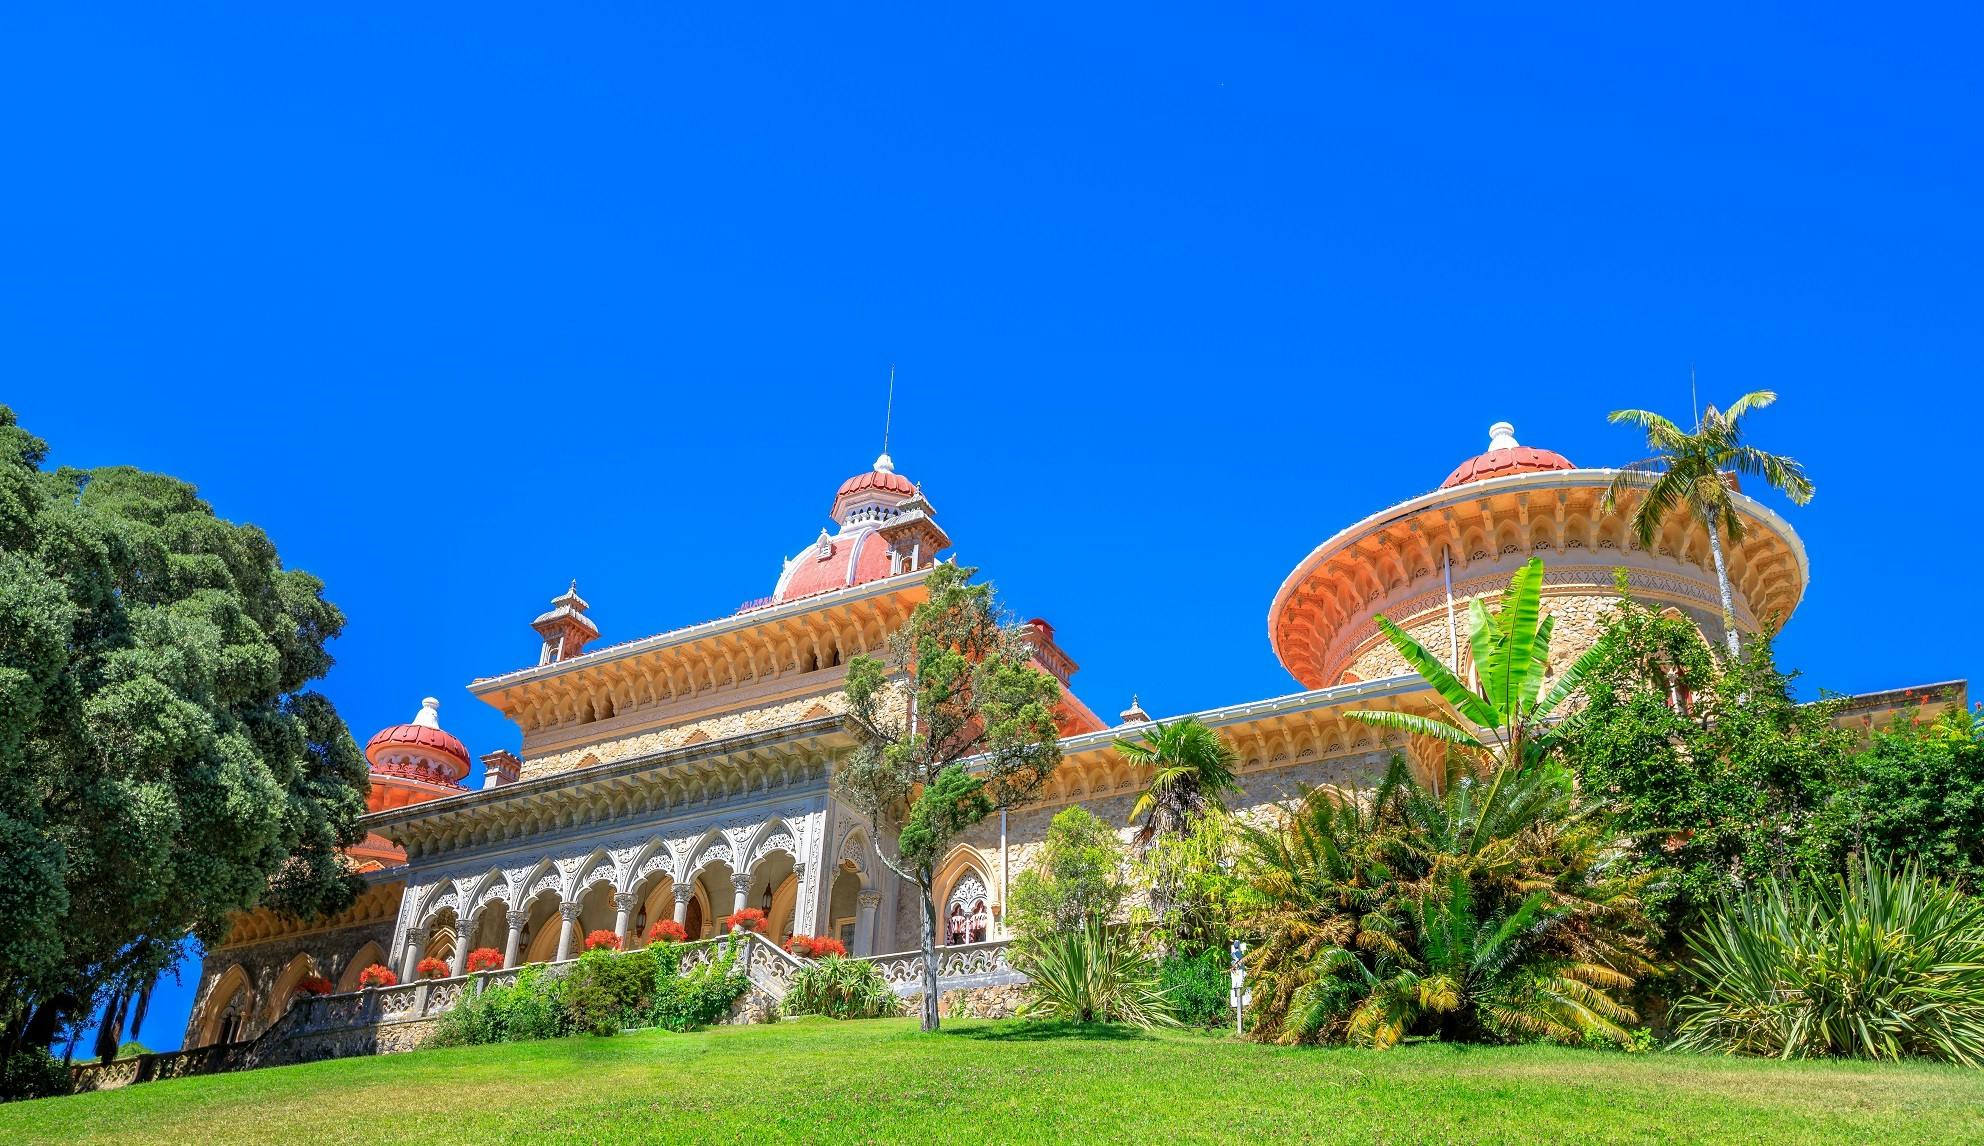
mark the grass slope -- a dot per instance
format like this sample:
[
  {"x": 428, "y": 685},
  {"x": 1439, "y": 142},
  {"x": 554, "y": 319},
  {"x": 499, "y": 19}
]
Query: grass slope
[{"x": 884, "y": 1081}]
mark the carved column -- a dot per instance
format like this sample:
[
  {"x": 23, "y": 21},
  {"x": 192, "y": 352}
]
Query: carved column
[
  {"x": 459, "y": 963},
  {"x": 567, "y": 912},
  {"x": 684, "y": 892},
  {"x": 742, "y": 885},
  {"x": 416, "y": 945},
  {"x": 511, "y": 948},
  {"x": 864, "y": 922},
  {"x": 623, "y": 909}
]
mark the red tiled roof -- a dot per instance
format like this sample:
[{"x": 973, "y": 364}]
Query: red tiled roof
[
  {"x": 419, "y": 738},
  {"x": 1502, "y": 463},
  {"x": 868, "y": 554}
]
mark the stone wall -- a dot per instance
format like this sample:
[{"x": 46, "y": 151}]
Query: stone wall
[
  {"x": 1579, "y": 597},
  {"x": 331, "y": 949},
  {"x": 1580, "y": 619}
]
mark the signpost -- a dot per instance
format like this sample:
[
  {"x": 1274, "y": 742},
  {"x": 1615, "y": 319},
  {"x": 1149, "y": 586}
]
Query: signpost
[{"x": 1241, "y": 995}]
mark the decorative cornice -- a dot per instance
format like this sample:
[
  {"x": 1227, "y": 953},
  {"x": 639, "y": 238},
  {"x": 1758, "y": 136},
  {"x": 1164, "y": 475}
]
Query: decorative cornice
[
  {"x": 640, "y": 786},
  {"x": 700, "y": 669},
  {"x": 1500, "y": 521}
]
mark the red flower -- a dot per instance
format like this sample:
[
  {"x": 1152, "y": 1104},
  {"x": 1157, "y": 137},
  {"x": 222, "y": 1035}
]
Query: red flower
[
  {"x": 602, "y": 940},
  {"x": 749, "y": 919},
  {"x": 431, "y": 967},
  {"x": 378, "y": 975},
  {"x": 667, "y": 931},
  {"x": 485, "y": 959},
  {"x": 816, "y": 947},
  {"x": 314, "y": 985}
]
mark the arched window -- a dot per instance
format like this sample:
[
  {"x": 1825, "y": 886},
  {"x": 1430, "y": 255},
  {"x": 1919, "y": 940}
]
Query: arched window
[{"x": 966, "y": 916}]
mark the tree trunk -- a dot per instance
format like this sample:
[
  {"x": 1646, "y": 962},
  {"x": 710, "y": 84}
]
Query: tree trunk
[
  {"x": 1722, "y": 583},
  {"x": 924, "y": 878}
]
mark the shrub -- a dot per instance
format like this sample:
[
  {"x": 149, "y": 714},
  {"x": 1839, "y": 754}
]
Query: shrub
[
  {"x": 1094, "y": 974},
  {"x": 431, "y": 968},
  {"x": 602, "y": 992},
  {"x": 1197, "y": 985},
  {"x": 1079, "y": 876},
  {"x": 749, "y": 919},
  {"x": 702, "y": 995},
  {"x": 485, "y": 959},
  {"x": 378, "y": 975},
  {"x": 314, "y": 985},
  {"x": 1880, "y": 963},
  {"x": 608, "y": 991},
  {"x": 816, "y": 947},
  {"x": 602, "y": 940},
  {"x": 667, "y": 931},
  {"x": 31, "y": 1072},
  {"x": 530, "y": 1008},
  {"x": 840, "y": 989}
]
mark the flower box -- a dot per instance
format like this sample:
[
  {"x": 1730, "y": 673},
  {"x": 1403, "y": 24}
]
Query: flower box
[
  {"x": 378, "y": 975},
  {"x": 749, "y": 919}
]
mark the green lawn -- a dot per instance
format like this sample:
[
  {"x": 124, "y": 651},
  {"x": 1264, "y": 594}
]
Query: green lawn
[{"x": 817, "y": 1081}]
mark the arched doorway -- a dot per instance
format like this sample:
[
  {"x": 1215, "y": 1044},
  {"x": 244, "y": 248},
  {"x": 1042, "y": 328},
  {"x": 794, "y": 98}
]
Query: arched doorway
[{"x": 844, "y": 905}]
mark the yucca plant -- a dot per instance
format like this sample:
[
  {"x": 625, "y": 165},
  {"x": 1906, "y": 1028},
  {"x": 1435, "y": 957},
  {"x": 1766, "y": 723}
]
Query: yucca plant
[
  {"x": 841, "y": 989},
  {"x": 1881, "y": 962},
  {"x": 1094, "y": 974}
]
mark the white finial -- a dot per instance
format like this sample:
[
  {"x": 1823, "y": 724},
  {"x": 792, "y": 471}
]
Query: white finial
[
  {"x": 429, "y": 715},
  {"x": 885, "y": 464},
  {"x": 1502, "y": 436}
]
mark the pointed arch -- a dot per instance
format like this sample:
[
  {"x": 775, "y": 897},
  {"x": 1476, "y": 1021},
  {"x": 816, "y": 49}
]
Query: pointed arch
[
  {"x": 589, "y": 871},
  {"x": 360, "y": 959},
  {"x": 653, "y": 856},
  {"x": 228, "y": 1009},
  {"x": 284, "y": 992},
  {"x": 490, "y": 886},
  {"x": 541, "y": 877}
]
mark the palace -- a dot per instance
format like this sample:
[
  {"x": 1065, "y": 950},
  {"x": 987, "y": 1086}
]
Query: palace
[{"x": 689, "y": 774}]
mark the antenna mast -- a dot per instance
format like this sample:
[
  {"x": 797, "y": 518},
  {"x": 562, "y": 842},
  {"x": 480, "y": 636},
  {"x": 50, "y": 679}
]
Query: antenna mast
[{"x": 888, "y": 412}]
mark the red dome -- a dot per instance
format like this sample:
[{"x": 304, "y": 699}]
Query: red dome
[
  {"x": 884, "y": 482},
  {"x": 1505, "y": 457},
  {"x": 854, "y": 558},
  {"x": 419, "y": 749},
  {"x": 416, "y": 737}
]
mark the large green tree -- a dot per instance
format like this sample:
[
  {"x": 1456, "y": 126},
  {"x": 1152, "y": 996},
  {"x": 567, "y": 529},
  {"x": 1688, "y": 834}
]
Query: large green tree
[
  {"x": 1684, "y": 472},
  {"x": 163, "y": 763},
  {"x": 955, "y": 723},
  {"x": 1710, "y": 765}
]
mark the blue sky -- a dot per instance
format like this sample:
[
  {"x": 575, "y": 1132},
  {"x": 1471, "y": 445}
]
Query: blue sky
[{"x": 465, "y": 302}]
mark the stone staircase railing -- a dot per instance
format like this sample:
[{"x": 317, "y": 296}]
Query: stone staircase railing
[
  {"x": 965, "y": 965},
  {"x": 347, "y": 1018}
]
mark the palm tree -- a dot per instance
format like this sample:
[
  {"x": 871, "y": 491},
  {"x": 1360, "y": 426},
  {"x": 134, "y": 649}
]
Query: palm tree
[
  {"x": 1687, "y": 470},
  {"x": 1192, "y": 767}
]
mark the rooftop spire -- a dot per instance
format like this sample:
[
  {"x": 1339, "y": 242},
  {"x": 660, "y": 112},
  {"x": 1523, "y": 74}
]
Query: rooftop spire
[
  {"x": 1502, "y": 436},
  {"x": 885, "y": 464}
]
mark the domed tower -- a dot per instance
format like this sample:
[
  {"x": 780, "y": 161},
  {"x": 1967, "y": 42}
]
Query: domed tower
[
  {"x": 883, "y": 526},
  {"x": 411, "y": 763},
  {"x": 1418, "y": 562}
]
